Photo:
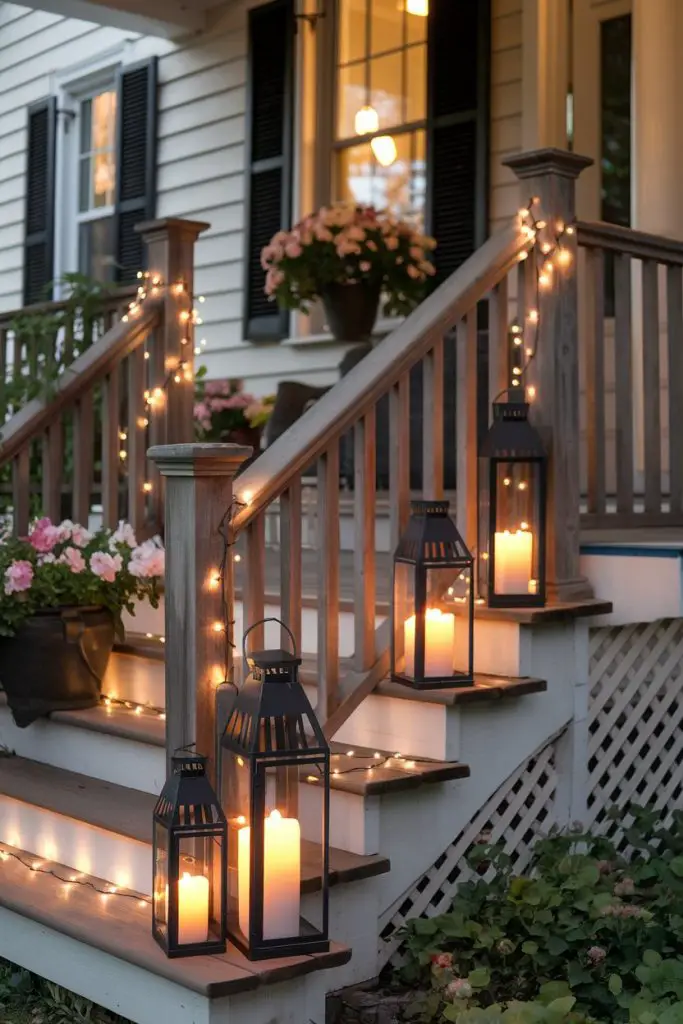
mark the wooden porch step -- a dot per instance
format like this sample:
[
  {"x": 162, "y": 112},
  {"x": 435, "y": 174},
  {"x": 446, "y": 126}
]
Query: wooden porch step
[
  {"x": 363, "y": 775},
  {"x": 128, "y": 813},
  {"x": 122, "y": 928}
]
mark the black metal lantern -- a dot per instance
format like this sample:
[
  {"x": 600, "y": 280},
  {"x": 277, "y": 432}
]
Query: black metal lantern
[
  {"x": 512, "y": 510},
  {"x": 433, "y": 602},
  {"x": 190, "y": 862},
  {"x": 275, "y": 790}
]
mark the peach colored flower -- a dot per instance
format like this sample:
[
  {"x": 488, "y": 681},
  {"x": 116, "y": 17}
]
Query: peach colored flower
[
  {"x": 73, "y": 558},
  {"x": 293, "y": 250},
  {"x": 105, "y": 566}
]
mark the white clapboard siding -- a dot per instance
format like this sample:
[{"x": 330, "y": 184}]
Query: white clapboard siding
[{"x": 506, "y": 105}]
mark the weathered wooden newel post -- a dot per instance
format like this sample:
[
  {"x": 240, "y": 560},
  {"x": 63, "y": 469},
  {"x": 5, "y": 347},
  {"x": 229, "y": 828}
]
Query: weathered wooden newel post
[
  {"x": 550, "y": 176},
  {"x": 199, "y": 492}
]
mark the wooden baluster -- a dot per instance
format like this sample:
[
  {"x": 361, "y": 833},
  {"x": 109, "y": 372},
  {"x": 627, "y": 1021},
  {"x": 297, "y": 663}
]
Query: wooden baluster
[
  {"x": 83, "y": 441},
  {"x": 21, "y": 490},
  {"x": 3, "y": 373},
  {"x": 623, "y": 383},
  {"x": 433, "y": 419},
  {"x": 111, "y": 446},
  {"x": 290, "y": 558},
  {"x": 596, "y": 432},
  {"x": 674, "y": 303},
  {"x": 255, "y": 580},
  {"x": 466, "y": 410},
  {"x": 499, "y": 353},
  {"x": 68, "y": 353},
  {"x": 53, "y": 467},
  {"x": 137, "y": 439},
  {"x": 328, "y": 582},
  {"x": 651, "y": 403},
  {"x": 364, "y": 500},
  {"x": 399, "y": 457},
  {"x": 17, "y": 358}
]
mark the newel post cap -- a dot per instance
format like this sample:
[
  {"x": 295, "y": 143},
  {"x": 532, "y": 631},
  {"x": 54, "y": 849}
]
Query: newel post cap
[
  {"x": 199, "y": 460},
  {"x": 537, "y": 162},
  {"x": 153, "y": 230}
]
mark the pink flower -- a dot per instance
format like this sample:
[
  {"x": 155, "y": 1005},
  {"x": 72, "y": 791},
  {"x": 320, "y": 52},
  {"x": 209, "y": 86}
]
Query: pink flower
[
  {"x": 459, "y": 988},
  {"x": 372, "y": 246},
  {"x": 267, "y": 255},
  {"x": 442, "y": 960},
  {"x": 80, "y": 536},
  {"x": 293, "y": 250},
  {"x": 274, "y": 279},
  {"x": 124, "y": 534},
  {"x": 428, "y": 268},
  {"x": 413, "y": 272},
  {"x": 18, "y": 577},
  {"x": 73, "y": 558},
  {"x": 365, "y": 266},
  {"x": 105, "y": 566},
  {"x": 391, "y": 243},
  {"x": 626, "y": 887},
  {"x": 346, "y": 247},
  {"x": 416, "y": 252},
  {"x": 323, "y": 234},
  {"x": 596, "y": 954},
  {"x": 356, "y": 234},
  {"x": 148, "y": 560},
  {"x": 44, "y": 535}
]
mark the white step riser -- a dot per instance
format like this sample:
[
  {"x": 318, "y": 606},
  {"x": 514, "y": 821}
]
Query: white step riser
[{"x": 497, "y": 645}]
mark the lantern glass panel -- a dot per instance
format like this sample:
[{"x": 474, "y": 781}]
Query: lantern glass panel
[
  {"x": 515, "y": 550},
  {"x": 404, "y": 615},
  {"x": 161, "y": 879},
  {"x": 236, "y": 800},
  {"x": 199, "y": 889}
]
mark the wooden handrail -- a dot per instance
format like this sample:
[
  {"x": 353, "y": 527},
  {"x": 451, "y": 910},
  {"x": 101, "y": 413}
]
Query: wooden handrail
[
  {"x": 371, "y": 379},
  {"x": 106, "y": 301},
  {"x": 627, "y": 242},
  {"x": 79, "y": 378}
]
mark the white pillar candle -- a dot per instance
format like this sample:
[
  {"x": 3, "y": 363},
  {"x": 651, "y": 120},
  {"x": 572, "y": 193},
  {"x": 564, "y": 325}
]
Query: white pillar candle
[
  {"x": 281, "y": 877},
  {"x": 193, "y": 909},
  {"x": 513, "y": 562},
  {"x": 439, "y": 644}
]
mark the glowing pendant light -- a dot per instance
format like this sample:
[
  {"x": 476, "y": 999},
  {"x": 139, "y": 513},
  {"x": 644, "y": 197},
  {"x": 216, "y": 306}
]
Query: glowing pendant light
[
  {"x": 420, "y": 8},
  {"x": 366, "y": 121},
  {"x": 385, "y": 150}
]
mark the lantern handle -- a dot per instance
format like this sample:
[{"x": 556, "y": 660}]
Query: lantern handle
[{"x": 261, "y": 622}]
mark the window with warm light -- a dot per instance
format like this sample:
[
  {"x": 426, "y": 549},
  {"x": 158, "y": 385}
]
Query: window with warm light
[
  {"x": 96, "y": 184},
  {"x": 381, "y": 104}
]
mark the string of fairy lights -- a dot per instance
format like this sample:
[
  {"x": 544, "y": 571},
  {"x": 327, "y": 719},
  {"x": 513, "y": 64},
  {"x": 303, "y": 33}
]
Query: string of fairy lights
[
  {"x": 152, "y": 284},
  {"x": 38, "y": 867},
  {"x": 549, "y": 252}
]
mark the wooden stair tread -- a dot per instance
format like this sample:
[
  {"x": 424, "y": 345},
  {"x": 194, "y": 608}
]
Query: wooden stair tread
[
  {"x": 486, "y": 687},
  {"x": 128, "y": 812},
  {"x": 151, "y": 728},
  {"x": 121, "y": 928},
  {"x": 359, "y": 773}
]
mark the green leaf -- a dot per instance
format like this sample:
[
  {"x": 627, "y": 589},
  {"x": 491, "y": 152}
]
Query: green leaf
[
  {"x": 425, "y": 926},
  {"x": 553, "y": 990},
  {"x": 615, "y": 984},
  {"x": 651, "y": 958},
  {"x": 563, "y": 1005},
  {"x": 676, "y": 866},
  {"x": 451, "y": 1012},
  {"x": 479, "y": 978},
  {"x": 556, "y": 945},
  {"x": 530, "y": 948}
]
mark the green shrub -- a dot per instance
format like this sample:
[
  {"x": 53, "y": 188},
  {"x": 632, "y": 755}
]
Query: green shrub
[{"x": 585, "y": 933}]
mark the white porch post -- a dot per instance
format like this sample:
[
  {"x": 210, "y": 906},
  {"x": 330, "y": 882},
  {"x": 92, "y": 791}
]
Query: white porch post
[{"x": 545, "y": 73}]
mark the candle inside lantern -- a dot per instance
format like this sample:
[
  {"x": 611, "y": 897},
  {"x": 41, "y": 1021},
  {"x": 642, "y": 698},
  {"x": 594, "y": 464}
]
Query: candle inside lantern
[
  {"x": 193, "y": 909},
  {"x": 281, "y": 877},
  {"x": 513, "y": 562},
  {"x": 439, "y": 644}
]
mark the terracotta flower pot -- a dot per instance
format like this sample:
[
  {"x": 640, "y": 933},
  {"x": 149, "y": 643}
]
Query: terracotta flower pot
[
  {"x": 56, "y": 662},
  {"x": 351, "y": 309}
]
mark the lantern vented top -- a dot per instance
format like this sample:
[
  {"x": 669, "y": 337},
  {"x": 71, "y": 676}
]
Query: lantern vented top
[
  {"x": 274, "y": 664},
  {"x": 188, "y": 764},
  {"x": 421, "y": 507},
  {"x": 511, "y": 435}
]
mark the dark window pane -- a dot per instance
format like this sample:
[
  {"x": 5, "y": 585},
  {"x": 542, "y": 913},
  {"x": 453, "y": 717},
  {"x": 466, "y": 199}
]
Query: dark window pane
[
  {"x": 615, "y": 86},
  {"x": 96, "y": 249},
  {"x": 86, "y": 117}
]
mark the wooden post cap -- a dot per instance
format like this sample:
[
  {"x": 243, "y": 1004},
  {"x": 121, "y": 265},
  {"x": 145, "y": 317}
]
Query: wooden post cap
[
  {"x": 199, "y": 459},
  {"x": 151, "y": 229},
  {"x": 536, "y": 162}
]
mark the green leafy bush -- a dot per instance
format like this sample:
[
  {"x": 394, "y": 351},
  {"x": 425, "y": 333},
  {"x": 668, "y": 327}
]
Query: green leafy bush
[{"x": 584, "y": 934}]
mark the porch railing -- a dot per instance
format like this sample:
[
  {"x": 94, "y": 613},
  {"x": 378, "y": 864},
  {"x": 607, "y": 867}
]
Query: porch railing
[
  {"x": 632, "y": 367},
  {"x": 83, "y": 443}
]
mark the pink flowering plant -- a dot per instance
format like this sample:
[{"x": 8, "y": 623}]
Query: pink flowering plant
[
  {"x": 222, "y": 406},
  {"x": 64, "y": 565},
  {"x": 346, "y": 244}
]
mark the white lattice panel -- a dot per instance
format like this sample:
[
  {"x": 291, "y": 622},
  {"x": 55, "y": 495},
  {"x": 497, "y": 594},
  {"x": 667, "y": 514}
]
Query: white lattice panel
[
  {"x": 513, "y": 816},
  {"x": 635, "y": 715}
]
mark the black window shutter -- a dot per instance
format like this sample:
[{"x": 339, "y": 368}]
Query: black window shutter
[
  {"x": 269, "y": 156},
  {"x": 458, "y": 146},
  {"x": 136, "y": 171},
  {"x": 40, "y": 201}
]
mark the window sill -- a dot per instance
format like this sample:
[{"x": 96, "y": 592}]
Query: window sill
[{"x": 382, "y": 328}]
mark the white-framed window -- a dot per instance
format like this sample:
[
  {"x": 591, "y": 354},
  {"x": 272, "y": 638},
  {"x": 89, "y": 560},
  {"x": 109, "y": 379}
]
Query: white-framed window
[{"x": 96, "y": 183}]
